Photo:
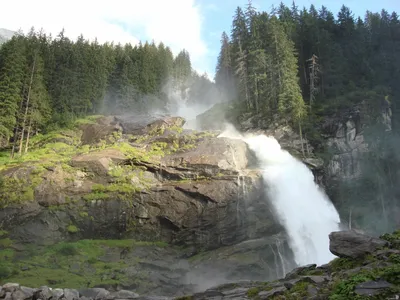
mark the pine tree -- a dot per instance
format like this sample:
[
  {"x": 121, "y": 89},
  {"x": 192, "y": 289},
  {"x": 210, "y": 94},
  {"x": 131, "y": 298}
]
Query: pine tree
[
  {"x": 224, "y": 76},
  {"x": 12, "y": 67}
]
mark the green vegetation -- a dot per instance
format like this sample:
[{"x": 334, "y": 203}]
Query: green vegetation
[
  {"x": 253, "y": 292},
  {"x": 74, "y": 265},
  {"x": 72, "y": 229},
  {"x": 287, "y": 67},
  {"x": 49, "y": 92}
]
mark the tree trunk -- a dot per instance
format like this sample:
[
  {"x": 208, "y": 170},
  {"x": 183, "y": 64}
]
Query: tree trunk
[
  {"x": 26, "y": 107},
  {"x": 16, "y": 128},
  {"x": 256, "y": 99},
  {"x": 301, "y": 138},
  {"x": 28, "y": 135},
  {"x": 350, "y": 213}
]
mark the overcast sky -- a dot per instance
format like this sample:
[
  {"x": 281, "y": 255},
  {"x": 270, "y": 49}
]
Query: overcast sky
[{"x": 195, "y": 25}]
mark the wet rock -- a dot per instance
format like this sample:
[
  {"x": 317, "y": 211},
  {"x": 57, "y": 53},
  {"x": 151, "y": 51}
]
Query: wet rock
[
  {"x": 237, "y": 293},
  {"x": 297, "y": 271},
  {"x": 372, "y": 288},
  {"x": 274, "y": 292},
  {"x": 316, "y": 279},
  {"x": 352, "y": 244},
  {"x": 312, "y": 291}
]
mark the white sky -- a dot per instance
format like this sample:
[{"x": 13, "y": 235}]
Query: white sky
[{"x": 177, "y": 23}]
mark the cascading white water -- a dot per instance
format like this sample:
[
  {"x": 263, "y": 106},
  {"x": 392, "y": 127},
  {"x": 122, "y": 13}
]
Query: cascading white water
[{"x": 301, "y": 206}]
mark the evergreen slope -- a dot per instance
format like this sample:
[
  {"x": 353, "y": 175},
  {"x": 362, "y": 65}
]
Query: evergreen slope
[
  {"x": 314, "y": 71},
  {"x": 48, "y": 82}
]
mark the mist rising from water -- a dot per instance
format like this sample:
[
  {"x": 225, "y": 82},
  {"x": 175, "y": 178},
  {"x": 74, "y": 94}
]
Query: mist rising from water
[{"x": 301, "y": 206}]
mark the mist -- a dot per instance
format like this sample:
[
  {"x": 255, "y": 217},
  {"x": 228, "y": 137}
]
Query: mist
[{"x": 186, "y": 99}]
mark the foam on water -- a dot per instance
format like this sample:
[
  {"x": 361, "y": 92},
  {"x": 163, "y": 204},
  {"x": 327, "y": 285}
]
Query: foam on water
[{"x": 301, "y": 205}]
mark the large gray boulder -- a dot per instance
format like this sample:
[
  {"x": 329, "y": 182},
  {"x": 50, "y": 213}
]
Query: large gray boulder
[{"x": 353, "y": 244}]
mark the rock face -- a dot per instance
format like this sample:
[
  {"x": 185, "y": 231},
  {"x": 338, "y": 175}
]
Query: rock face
[
  {"x": 98, "y": 162},
  {"x": 160, "y": 183},
  {"x": 146, "y": 180},
  {"x": 346, "y": 139},
  {"x": 353, "y": 244}
]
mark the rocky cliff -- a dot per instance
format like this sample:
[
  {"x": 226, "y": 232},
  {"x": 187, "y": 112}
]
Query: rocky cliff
[
  {"x": 345, "y": 149},
  {"x": 134, "y": 199}
]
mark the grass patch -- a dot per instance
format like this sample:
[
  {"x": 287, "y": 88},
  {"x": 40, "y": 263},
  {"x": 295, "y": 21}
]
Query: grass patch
[{"x": 73, "y": 265}]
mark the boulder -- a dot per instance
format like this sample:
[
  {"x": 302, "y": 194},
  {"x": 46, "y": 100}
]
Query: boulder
[
  {"x": 102, "y": 129},
  {"x": 372, "y": 288},
  {"x": 148, "y": 124},
  {"x": 353, "y": 244},
  {"x": 214, "y": 155},
  {"x": 98, "y": 162}
]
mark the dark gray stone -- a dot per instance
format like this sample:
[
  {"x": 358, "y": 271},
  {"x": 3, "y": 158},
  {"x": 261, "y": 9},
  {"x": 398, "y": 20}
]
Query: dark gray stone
[
  {"x": 316, "y": 279},
  {"x": 372, "y": 288},
  {"x": 295, "y": 272},
  {"x": 353, "y": 244},
  {"x": 43, "y": 293},
  {"x": 274, "y": 292},
  {"x": 312, "y": 291},
  {"x": 8, "y": 296},
  {"x": 124, "y": 294},
  {"x": 95, "y": 293},
  {"x": 237, "y": 293},
  {"x": 71, "y": 294}
]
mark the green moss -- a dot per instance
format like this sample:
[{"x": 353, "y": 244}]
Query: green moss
[
  {"x": 72, "y": 229},
  {"x": 19, "y": 188},
  {"x": 3, "y": 232},
  {"x": 5, "y": 243},
  {"x": 185, "y": 298},
  {"x": 83, "y": 214},
  {"x": 120, "y": 188},
  {"x": 392, "y": 238},
  {"x": 87, "y": 120},
  {"x": 253, "y": 292},
  {"x": 340, "y": 263},
  {"x": 96, "y": 196},
  {"x": 6, "y": 254},
  {"x": 175, "y": 128},
  {"x": 316, "y": 272},
  {"x": 300, "y": 288}
]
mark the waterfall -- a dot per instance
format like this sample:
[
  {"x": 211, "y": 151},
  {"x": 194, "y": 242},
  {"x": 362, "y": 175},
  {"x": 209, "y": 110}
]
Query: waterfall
[{"x": 300, "y": 205}]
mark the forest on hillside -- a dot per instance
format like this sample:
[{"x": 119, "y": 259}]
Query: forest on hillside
[
  {"x": 300, "y": 66},
  {"x": 46, "y": 83},
  {"x": 298, "y": 63}
]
